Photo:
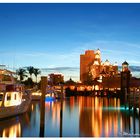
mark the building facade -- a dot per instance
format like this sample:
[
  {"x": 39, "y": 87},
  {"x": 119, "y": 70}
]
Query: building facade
[
  {"x": 92, "y": 66},
  {"x": 85, "y": 62},
  {"x": 55, "y": 79}
]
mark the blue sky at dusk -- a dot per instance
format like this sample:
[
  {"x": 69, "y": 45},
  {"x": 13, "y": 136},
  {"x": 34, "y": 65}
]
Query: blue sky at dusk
[{"x": 53, "y": 36}]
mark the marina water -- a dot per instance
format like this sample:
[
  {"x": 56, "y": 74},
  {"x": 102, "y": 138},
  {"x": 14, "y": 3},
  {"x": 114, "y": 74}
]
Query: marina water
[{"x": 81, "y": 117}]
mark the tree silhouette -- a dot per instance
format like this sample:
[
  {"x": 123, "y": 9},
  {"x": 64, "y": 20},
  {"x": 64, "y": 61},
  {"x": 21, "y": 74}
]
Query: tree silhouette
[
  {"x": 30, "y": 70},
  {"x": 36, "y": 73},
  {"x": 21, "y": 73}
]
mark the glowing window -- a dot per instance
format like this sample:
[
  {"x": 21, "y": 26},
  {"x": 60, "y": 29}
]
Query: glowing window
[
  {"x": 1, "y": 96},
  {"x": 97, "y": 56},
  {"x": 96, "y": 87}
]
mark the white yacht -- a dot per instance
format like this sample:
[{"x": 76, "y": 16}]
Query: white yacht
[{"x": 13, "y": 99}]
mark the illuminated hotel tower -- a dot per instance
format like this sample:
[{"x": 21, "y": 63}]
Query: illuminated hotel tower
[
  {"x": 94, "y": 69},
  {"x": 85, "y": 62},
  {"x": 91, "y": 65}
]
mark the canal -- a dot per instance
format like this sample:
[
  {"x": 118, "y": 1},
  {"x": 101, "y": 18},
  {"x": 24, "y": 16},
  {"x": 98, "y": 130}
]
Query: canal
[{"x": 81, "y": 117}]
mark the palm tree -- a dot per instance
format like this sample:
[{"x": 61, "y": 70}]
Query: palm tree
[
  {"x": 30, "y": 70},
  {"x": 22, "y": 73},
  {"x": 36, "y": 72}
]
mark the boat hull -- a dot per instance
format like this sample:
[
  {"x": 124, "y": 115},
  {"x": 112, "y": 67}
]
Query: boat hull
[{"x": 14, "y": 110}]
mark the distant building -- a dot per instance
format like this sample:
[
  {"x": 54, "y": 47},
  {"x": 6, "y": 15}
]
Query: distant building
[
  {"x": 7, "y": 76},
  {"x": 55, "y": 79},
  {"x": 92, "y": 67}
]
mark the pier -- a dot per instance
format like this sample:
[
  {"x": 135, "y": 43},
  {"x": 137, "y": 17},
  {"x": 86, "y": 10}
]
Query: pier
[
  {"x": 44, "y": 83},
  {"x": 132, "y": 99}
]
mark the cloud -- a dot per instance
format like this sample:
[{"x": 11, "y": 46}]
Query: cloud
[
  {"x": 61, "y": 69},
  {"x": 116, "y": 50},
  {"x": 74, "y": 72},
  {"x": 135, "y": 68},
  {"x": 68, "y": 72},
  {"x": 70, "y": 59}
]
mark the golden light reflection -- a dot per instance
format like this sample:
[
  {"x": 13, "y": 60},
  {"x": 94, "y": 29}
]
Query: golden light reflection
[
  {"x": 107, "y": 127},
  {"x": 101, "y": 116},
  {"x": 72, "y": 102},
  {"x": 13, "y": 131},
  {"x": 121, "y": 124},
  {"x": 115, "y": 125},
  {"x": 115, "y": 102},
  {"x": 32, "y": 107},
  {"x": 55, "y": 107}
]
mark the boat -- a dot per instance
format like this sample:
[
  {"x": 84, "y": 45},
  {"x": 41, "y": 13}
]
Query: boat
[{"x": 13, "y": 98}]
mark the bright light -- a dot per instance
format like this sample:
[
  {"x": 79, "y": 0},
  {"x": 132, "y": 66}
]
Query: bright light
[
  {"x": 96, "y": 62},
  {"x": 81, "y": 88},
  {"x": 12, "y": 99},
  {"x": 37, "y": 93},
  {"x": 97, "y": 56},
  {"x": 72, "y": 87},
  {"x": 13, "y": 131},
  {"x": 96, "y": 87},
  {"x": 1, "y": 97},
  {"x": 89, "y": 88}
]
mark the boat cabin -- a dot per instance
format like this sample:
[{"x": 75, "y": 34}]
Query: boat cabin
[{"x": 8, "y": 99}]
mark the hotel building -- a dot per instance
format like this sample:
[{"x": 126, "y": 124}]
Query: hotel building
[{"x": 92, "y": 66}]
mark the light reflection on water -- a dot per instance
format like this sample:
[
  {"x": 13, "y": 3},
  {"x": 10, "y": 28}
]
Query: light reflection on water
[
  {"x": 12, "y": 131},
  {"x": 82, "y": 117}
]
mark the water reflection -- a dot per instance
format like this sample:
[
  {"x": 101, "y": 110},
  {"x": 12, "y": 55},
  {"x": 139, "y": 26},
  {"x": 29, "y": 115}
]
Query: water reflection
[
  {"x": 102, "y": 117},
  {"x": 24, "y": 125},
  {"x": 80, "y": 116},
  {"x": 12, "y": 131}
]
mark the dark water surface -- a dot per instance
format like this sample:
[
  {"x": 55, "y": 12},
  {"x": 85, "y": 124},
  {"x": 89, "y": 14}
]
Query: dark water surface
[{"x": 81, "y": 117}]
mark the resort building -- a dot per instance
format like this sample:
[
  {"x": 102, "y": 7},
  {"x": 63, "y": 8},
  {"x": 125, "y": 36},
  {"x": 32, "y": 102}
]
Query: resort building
[
  {"x": 7, "y": 76},
  {"x": 86, "y": 61},
  {"x": 92, "y": 67}
]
